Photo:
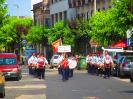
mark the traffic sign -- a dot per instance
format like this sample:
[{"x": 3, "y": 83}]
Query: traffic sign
[{"x": 130, "y": 41}]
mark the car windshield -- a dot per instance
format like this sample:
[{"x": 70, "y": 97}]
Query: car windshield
[
  {"x": 7, "y": 61},
  {"x": 120, "y": 60},
  {"x": 129, "y": 59},
  {"x": 55, "y": 57}
]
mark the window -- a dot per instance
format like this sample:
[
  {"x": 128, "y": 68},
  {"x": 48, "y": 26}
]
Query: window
[
  {"x": 91, "y": 12},
  {"x": 7, "y": 61},
  {"x": 52, "y": 2},
  {"x": 52, "y": 17},
  {"x": 60, "y": 14},
  {"x": 56, "y": 17},
  {"x": 47, "y": 22},
  {"x": 98, "y": 9},
  {"x": 55, "y": 0},
  {"x": 65, "y": 15},
  {"x": 103, "y": 8}
]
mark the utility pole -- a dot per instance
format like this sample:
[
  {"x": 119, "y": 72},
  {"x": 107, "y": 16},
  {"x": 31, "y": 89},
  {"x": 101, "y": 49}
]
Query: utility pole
[{"x": 95, "y": 5}]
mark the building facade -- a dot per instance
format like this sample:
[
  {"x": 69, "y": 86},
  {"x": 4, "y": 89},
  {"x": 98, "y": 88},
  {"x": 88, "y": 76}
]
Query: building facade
[
  {"x": 41, "y": 16},
  {"x": 85, "y": 8},
  {"x": 52, "y": 11},
  {"x": 41, "y": 13},
  {"x": 59, "y": 10}
]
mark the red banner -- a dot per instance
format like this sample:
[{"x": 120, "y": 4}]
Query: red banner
[{"x": 55, "y": 45}]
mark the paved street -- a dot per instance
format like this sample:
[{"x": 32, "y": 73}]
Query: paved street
[{"x": 81, "y": 86}]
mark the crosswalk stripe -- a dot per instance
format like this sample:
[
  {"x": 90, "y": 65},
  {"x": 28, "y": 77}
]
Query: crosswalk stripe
[
  {"x": 40, "y": 96},
  {"x": 40, "y": 86}
]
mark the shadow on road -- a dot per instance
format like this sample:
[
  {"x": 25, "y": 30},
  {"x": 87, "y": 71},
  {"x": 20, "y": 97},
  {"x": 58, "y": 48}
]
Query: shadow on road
[{"x": 127, "y": 91}]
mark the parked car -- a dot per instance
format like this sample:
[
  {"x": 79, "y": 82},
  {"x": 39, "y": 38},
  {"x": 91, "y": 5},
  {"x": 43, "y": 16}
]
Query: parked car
[
  {"x": 54, "y": 60},
  {"x": 9, "y": 65},
  {"x": 2, "y": 85},
  {"x": 118, "y": 59},
  {"x": 125, "y": 66},
  {"x": 117, "y": 63},
  {"x": 131, "y": 74}
]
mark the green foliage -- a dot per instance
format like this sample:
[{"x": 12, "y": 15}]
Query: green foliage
[
  {"x": 3, "y": 11},
  {"x": 61, "y": 30},
  {"x": 82, "y": 28},
  {"x": 122, "y": 15},
  {"x": 37, "y": 34},
  {"x": 12, "y": 30},
  {"x": 3, "y": 16},
  {"x": 111, "y": 25}
]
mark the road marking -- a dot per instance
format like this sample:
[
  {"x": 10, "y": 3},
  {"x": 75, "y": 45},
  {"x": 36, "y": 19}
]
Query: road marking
[
  {"x": 32, "y": 79},
  {"x": 90, "y": 98},
  {"x": 124, "y": 80},
  {"x": 75, "y": 90},
  {"x": 40, "y": 86},
  {"x": 41, "y": 96}
]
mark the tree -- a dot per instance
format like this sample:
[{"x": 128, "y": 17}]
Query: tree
[
  {"x": 3, "y": 16},
  {"x": 13, "y": 30},
  {"x": 37, "y": 34},
  {"x": 82, "y": 33},
  {"x": 111, "y": 25},
  {"x": 3, "y": 12},
  {"x": 103, "y": 27},
  {"x": 123, "y": 15},
  {"x": 61, "y": 30}
]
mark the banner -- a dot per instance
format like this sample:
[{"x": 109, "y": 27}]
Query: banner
[
  {"x": 55, "y": 45},
  {"x": 65, "y": 48}
]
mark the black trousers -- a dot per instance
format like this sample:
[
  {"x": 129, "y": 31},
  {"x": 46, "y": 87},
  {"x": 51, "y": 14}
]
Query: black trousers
[
  {"x": 31, "y": 70},
  {"x": 107, "y": 72},
  {"x": 60, "y": 70},
  {"x": 65, "y": 74},
  {"x": 41, "y": 73},
  {"x": 70, "y": 72}
]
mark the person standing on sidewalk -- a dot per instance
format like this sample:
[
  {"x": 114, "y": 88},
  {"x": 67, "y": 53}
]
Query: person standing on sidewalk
[{"x": 41, "y": 65}]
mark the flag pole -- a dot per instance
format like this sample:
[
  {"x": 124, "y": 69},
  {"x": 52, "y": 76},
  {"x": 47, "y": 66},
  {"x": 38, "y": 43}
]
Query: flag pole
[{"x": 61, "y": 40}]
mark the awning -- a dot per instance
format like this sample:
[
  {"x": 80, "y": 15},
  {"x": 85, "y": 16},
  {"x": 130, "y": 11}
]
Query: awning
[{"x": 119, "y": 44}]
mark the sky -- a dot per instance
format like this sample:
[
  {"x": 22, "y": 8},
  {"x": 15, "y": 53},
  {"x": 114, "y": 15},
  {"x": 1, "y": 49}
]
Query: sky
[{"x": 21, "y": 7}]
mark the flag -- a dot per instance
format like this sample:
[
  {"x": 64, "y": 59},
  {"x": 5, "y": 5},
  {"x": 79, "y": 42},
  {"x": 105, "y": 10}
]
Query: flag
[{"x": 55, "y": 45}]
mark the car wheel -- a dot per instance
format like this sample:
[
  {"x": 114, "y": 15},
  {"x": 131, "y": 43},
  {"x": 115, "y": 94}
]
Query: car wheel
[
  {"x": 117, "y": 73},
  {"x": 2, "y": 95},
  {"x": 131, "y": 77},
  {"x": 121, "y": 75},
  {"x": 20, "y": 77},
  {"x": 113, "y": 72}
]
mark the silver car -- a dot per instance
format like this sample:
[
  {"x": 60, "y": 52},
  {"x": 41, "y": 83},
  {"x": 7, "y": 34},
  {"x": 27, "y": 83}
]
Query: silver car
[
  {"x": 54, "y": 60},
  {"x": 125, "y": 66}
]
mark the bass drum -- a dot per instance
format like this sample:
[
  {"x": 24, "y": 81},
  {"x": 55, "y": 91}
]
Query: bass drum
[{"x": 72, "y": 64}]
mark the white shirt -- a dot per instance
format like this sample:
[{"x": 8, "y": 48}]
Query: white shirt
[{"x": 33, "y": 60}]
